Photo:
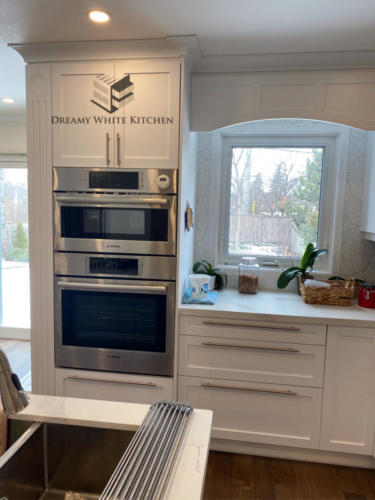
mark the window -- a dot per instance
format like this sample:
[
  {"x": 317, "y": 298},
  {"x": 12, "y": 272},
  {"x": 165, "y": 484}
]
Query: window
[
  {"x": 278, "y": 196},
  {"x": 14, "y": 247}
]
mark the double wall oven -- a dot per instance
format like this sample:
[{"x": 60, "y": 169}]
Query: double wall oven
[{"x": 115, "y": 269}]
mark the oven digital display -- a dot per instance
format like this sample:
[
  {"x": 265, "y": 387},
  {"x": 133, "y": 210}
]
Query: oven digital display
[
  {"x": 103, "y": 265},
  {"x": 114, "y": 180}
]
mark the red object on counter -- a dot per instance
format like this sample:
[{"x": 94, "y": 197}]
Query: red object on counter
[{"x": 366, "y": 295}]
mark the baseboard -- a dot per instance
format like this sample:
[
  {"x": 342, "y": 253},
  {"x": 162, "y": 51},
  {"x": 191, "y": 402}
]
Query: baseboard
[
  {"x": 14, "y": 333},
  {"x": 286, "y": 452}
]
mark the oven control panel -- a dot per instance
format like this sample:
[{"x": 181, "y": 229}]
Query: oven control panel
[
  {"x": 99, "y": 180},
  {"x": 108, "y": 265},
  {"x": 163, "y": 181},
  {"x": 115, "y": 265}
]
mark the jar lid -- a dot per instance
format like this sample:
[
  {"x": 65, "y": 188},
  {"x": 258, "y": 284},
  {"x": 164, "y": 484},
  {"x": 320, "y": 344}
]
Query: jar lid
[
  {"x": 368, "y": 285},
  {"x": 250, "y": 261}
]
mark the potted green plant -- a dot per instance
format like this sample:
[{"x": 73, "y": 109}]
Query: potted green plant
[
  {"x": 307, "y": 264},
  {"x": 204, "y": 267}
]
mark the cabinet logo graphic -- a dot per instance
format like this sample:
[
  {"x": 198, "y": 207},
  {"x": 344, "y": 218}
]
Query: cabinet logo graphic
[{"x": 110, "y": 94}]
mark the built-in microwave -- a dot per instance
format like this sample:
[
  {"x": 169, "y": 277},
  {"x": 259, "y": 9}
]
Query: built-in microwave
[{"x": 112, "y": 210}]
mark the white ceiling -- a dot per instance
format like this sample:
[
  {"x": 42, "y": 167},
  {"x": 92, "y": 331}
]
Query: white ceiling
[{"x": 223, "y": 27}]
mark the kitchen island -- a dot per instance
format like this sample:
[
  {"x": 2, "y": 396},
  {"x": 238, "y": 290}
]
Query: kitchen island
[{"x": 187, "y": 480}]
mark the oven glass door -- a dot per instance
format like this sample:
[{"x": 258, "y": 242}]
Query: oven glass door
[
  {"x": 110, "y": 320},
  {"x": 114, "y": 325},
  {"x": 104, "y": 224},
  {"x": 146, "y": 224}
]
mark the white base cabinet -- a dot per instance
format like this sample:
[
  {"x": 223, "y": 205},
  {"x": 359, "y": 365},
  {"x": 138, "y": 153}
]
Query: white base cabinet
[
  {"x": 112, "y": 386},
  {"x": 274, "y": 362},
  {"x": 348, "y": 418},
  {"x": 275, "y": 383},
  {"x": 260, "y": 413}
]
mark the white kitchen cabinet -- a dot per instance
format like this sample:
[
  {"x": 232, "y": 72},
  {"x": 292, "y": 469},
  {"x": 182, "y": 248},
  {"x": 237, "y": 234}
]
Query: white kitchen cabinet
[
  {"x": 348, "y": 418},
  {"x": 77, "y": 139},
  {"x": 259, "y": 413},
  {"x": 123, "y": 114},
  {"x": 112, "y": 386},
  {"x": 270, "y": 362},
  {"x": 150, "y": 135},
  {"x": 265, "y": 331}
]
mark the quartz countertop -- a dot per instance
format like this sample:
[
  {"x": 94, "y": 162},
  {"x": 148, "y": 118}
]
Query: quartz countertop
[
  {"x": 279, "y": 306},
  {"x": 187, "y": 480}
]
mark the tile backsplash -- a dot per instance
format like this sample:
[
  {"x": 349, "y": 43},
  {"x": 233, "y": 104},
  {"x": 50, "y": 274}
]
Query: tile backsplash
[{"x": 357, "y": 254}]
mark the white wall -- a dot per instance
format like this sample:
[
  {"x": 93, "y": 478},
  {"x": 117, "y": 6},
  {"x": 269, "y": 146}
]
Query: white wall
[{"x": 12, "y": 137}]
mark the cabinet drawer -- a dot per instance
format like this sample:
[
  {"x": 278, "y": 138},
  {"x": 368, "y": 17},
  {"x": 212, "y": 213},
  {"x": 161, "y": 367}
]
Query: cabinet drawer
[
  {"x": 112, "y": 387},
  {"x": 253, "y": 330},
  {"x": 271, "y": 362},
  {"x": 259, "y": 413}
]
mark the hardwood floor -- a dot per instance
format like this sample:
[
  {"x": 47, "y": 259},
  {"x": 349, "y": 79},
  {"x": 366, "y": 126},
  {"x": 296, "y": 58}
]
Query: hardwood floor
[
  {"x": 237, "y": 477},
  {"x": 19, "y": 355}
]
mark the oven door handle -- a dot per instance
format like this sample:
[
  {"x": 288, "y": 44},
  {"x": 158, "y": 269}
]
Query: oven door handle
[
  {"x": 115, "y": 288},
  {"x": 114, "y": 200}
]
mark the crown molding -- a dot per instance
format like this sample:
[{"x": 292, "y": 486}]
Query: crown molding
[
  {"x": 171, "y": 46},
  {"x": 286, "y": 61}
]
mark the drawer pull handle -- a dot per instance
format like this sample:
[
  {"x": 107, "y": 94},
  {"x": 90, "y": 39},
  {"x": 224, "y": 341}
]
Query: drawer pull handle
[
  {"x": 148, "y": 384},
  {"x": 118, "y": 151},
  {"x": 207, "y": 385},
  {"x": 279, "y": 349},
  {"x": 107, "y": 148},
  {"x": 243, "y": 325}
]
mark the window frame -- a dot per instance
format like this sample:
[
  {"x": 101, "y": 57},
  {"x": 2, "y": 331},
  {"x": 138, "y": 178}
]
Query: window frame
[
  {"x": 15, "y": 160},
  {"x": 328, "y": 236}
]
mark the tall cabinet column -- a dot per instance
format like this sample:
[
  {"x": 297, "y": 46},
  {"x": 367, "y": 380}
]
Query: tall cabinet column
[{"x": 39, "y": 152}]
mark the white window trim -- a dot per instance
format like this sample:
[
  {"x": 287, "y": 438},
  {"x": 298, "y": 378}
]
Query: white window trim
[
  {"x": 14, "y": 160},
  {"x": 335, "y": 136}
]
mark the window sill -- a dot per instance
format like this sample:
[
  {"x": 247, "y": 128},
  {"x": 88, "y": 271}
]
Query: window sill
[{"x": 267, "y": 277}]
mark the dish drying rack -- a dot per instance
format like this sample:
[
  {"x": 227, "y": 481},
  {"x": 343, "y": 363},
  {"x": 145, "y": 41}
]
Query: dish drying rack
[{"x": 145, "y": 468}]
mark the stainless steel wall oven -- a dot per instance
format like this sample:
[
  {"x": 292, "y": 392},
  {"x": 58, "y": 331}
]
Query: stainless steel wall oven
[
  {"x": 115, "y": 269},
  {"x": 106, "y": 321},
  {"x": 100, "y": 210}
]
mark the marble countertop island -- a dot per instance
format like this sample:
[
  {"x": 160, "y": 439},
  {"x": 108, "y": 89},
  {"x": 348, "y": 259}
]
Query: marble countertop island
[
  {"x": 279, "y": 306},
  {"x": 187, "y": 480}
]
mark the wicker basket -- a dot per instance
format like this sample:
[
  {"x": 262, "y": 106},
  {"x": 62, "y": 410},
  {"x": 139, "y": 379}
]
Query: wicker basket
[{"x": 341, "y": 293}]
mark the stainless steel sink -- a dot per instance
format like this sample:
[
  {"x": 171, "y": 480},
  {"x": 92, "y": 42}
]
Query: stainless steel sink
[{"x": 53, "y": 461}]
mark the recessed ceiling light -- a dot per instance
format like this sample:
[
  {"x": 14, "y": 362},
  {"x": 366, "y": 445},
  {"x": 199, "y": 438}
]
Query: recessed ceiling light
[
  {"x": 99, "y": 16},
  {"x": 8, "y": 100}
]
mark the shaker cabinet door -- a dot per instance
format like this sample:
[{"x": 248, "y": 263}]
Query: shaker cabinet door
[
  {"x": 348, "y": 418},
  {"x": 148, "y": 94},
  {"x": 82, "y": 128}
]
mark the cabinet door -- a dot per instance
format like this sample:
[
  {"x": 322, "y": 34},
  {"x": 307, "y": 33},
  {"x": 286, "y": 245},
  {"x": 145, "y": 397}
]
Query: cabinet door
[
  {"x": 348, "y": 401},
  {"x": 259, "y": 413},
  {"x": 149, "y": 97},
  {"x": 112, "y": 387},
  {"x": 82, "y": 114}
]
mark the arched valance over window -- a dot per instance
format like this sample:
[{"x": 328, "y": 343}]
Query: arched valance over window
[{"x": 342, "y": 96}]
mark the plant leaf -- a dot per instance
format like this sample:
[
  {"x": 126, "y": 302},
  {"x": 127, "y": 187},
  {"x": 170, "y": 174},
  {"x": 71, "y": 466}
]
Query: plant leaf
[
  {"x": 309, "y": 249},
  {"x": 196, "y": 267},
  {"x": 218, "y": 282},
  {"x": 313, "y": 256},
  {"x": 201, "y": 267},
  {"x": 286, "y": 277}
]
